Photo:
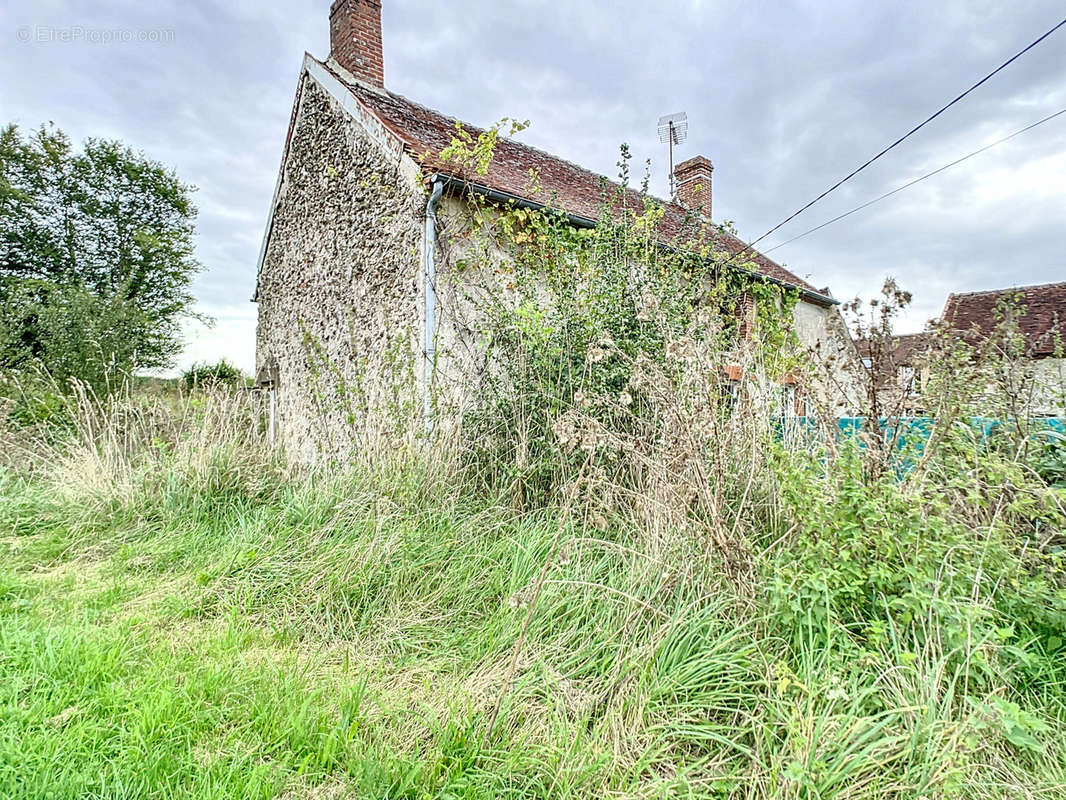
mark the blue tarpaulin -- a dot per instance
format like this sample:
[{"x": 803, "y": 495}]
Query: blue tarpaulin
[{"x": 913, "y": 432}]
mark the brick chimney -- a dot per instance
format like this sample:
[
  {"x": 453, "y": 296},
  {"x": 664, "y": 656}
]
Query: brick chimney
[
  {"x": 693, "y": 181},
  {"x": 355, "y": 39}
]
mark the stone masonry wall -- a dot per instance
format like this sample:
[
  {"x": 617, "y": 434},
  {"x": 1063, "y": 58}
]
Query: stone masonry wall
[
  {"x": 462, "y": 288},
  {"x": 1050, "y": 391},
  {"x": 823, "y": 333},
  {"x": 339, "y": 290}
]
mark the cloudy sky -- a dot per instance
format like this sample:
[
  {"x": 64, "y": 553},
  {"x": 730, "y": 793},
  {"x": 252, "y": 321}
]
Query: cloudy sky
[{"x": 784, "y": 97}]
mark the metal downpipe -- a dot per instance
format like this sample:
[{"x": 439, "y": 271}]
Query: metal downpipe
[{"x": 429, "y": 255}]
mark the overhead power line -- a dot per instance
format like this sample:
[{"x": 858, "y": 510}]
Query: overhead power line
[
  {"x": 902, "y": 138},
  {"x": 918, "y": 180}
]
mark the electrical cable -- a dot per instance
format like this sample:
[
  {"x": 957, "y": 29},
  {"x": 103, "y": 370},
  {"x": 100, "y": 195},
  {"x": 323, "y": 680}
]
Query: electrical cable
[
  {"x": 917, "y": 180},
  {"x": 902, "y": 138}
]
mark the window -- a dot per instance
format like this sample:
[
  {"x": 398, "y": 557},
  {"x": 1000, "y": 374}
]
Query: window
[
  {"x": 788, "y": 401},
  {"x": 907, "y": 380}
]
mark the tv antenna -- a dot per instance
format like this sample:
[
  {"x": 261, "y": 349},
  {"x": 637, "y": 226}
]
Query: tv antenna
[{"x": 673, "y": 128}]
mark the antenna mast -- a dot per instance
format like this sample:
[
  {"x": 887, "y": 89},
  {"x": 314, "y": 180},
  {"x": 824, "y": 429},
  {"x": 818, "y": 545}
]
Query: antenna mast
[{"x": 673, "y": 129}]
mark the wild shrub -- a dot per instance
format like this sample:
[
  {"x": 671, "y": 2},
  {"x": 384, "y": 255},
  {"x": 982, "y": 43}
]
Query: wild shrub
[
  {"x": 650, "y": 372},
  {"x": 947, "y": 555},
  {"x": 209, "y": 376},
  {"x": 1048, "y": 456}
]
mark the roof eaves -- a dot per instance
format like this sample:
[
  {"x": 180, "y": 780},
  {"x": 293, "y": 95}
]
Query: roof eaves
[{"x": 457, "y": 185}]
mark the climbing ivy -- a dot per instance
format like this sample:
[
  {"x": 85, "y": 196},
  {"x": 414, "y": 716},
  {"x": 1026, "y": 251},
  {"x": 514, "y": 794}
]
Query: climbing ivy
[{"x": 575, "y": 318}]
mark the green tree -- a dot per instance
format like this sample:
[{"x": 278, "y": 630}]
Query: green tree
[{"x": 96, "y": 255}]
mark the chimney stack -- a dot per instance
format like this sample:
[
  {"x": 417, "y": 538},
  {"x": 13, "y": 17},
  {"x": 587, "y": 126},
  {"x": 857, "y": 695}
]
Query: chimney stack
[
  {"x": 693, "y": 181},
  {"x": 355, "y": 39}
]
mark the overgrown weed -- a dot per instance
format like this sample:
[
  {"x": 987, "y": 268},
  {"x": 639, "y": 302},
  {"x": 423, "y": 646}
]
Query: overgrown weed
[{"x": 353, "y": 633}]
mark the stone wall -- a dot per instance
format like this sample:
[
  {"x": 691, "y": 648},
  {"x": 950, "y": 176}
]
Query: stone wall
[
  {"x": 467, "y": 283},
  {"x": 823, "y": 333},
  {"x": 1039, "y": 390},
  {"x": 1050, "y": 391},
  {"x": 340, "y": 287}
]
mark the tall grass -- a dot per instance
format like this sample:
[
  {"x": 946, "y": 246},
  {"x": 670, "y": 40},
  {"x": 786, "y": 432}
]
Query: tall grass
[{"x": 184, "y": 615}]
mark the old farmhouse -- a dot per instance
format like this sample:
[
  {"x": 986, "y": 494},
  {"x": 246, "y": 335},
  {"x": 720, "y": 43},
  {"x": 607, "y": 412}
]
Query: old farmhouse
[{"x": 355, "y": 279}]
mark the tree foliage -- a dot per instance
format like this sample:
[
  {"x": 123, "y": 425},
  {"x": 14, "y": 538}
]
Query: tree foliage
[{"x": 96, "y": 255}]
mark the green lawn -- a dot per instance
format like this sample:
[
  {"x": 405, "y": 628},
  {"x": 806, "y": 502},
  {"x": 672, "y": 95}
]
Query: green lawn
[{"x": 347, "y": 638}]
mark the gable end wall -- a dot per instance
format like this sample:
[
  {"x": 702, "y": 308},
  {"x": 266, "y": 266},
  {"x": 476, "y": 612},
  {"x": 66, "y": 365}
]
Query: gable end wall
[{"x": 339, "y": 291}]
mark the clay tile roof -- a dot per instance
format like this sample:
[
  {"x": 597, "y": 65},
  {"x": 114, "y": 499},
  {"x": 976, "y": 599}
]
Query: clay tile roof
[
  {"x": 905, "y": 349},
  {"x": 573, "y": 189},
  {"x": 1043, "y": 321}
]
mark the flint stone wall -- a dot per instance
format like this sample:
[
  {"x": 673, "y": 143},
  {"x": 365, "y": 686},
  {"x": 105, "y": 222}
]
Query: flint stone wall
[{"x": 340, "y": 291}]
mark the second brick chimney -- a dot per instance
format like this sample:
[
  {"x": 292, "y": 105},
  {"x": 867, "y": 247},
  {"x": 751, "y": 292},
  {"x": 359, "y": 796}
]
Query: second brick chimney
[
  {"x": 693, "y": 181},
  {"x": 355, "y": 39}
]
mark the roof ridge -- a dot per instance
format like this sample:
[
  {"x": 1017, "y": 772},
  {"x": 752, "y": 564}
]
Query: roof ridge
[
  {"x": 391, "y": 104},
  {"x": 1008, "y": 289},
  {"x": 471, "y": 127}
]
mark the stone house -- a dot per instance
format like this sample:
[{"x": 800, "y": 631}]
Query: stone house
[
  {"x": 356, "y": 277},
  {"x": 899, "y": 368},
  {"x": 1033, "y": 316}
]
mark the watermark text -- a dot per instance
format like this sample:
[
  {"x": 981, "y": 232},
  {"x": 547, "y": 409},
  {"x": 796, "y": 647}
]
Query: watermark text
[{"x": 71, "y": 34}]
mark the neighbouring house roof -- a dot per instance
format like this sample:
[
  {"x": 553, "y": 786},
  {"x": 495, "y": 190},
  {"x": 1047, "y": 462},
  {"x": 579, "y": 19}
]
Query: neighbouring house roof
[
  {"x": 1042, "y": 323},
  {"x": 904, "y": 350},
  {"x": 572, "y": 189}
]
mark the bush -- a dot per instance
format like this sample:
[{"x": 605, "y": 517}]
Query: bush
[
  {"x": 221, "y": 373},
  {"x": 47, "y": 408},
  {"x": 76, "y": 335},
  {"x": 1048, "y": 457},
  {"x": 34, "y": 405}
]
